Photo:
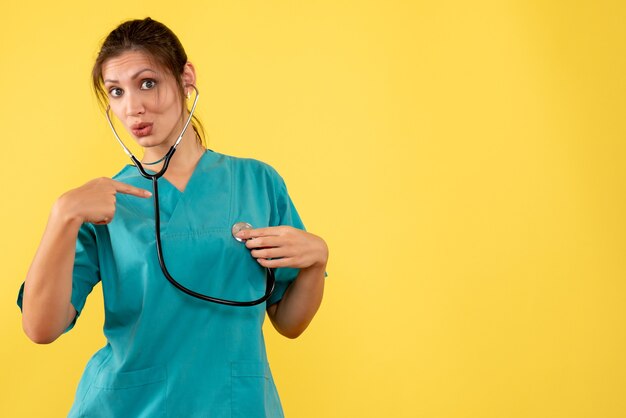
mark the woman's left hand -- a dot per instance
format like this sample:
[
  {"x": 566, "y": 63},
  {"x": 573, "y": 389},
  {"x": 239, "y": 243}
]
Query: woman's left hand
[{"x": 286, "y": 247}]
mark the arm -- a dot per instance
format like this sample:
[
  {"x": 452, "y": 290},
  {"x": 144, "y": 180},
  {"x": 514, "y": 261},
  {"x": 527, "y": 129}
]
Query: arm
[
  {"x": 292, "y": 247},
  {"x": 295, "y": 311},
  {"x": 46, "y": 303},
  {"x": 46, "y": 307}
]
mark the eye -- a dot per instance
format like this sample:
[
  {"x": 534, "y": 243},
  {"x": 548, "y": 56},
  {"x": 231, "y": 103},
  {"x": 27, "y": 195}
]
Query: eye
[
  {"x": 116, "y": 92},
  {"x": 148, "y": 84}
]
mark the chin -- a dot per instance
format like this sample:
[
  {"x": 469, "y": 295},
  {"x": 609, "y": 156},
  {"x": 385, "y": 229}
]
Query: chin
[{"x": 150, "y": 141}]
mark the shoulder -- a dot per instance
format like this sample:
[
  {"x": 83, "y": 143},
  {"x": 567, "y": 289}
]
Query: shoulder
[
  {"x": 258, "y": 178},
  {"x": 251, "y": 168},
  {"x": 252, "y": 164}
]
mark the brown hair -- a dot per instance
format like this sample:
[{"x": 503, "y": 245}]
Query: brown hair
[{"x": 156, "y": 40}]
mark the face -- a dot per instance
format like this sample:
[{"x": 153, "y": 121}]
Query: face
[{"x": 145, "y": 98}]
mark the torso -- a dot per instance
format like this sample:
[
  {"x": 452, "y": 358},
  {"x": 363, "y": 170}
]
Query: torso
[{"x": 169, "y": 354}]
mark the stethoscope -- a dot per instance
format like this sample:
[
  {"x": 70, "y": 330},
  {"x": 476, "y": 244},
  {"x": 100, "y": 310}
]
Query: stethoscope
[{"x": 270, "y": 279}]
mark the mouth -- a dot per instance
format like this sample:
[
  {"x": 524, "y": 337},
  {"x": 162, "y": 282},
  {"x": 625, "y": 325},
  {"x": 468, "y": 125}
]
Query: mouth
[{"x": 141, "y": 129}]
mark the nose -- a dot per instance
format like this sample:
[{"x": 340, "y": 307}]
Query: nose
[{"x": 134, "y": 104}]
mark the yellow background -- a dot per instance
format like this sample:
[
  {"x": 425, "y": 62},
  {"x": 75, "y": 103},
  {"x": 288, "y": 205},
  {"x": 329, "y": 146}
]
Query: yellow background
[{"x": 463, "y": 160}]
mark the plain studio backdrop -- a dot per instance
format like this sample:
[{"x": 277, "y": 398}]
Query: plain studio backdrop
[{"x": 463, "y": 160}]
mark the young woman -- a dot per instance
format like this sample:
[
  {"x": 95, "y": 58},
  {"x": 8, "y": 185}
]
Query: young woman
[{"x": 169, "y": 353}]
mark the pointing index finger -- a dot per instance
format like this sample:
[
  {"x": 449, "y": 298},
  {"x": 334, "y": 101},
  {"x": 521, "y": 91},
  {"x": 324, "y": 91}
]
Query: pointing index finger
[{"x": 131, "y": 190}]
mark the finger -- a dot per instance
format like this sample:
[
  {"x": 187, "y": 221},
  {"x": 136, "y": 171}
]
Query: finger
[
  {"x": 104, "y": 221},
  {"x": 262, "y": 242},
  {"x": 128, "y": 189},
  {"x": 269, "y": 253},
  {"x": 258, "y": 232},
  {"x": 274, "y": 263}
]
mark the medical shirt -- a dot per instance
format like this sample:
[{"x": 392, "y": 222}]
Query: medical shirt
[{"x": 169, "y": 354}]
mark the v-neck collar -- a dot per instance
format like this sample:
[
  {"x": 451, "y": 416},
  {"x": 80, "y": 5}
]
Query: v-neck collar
[
  {"x": 176, "y": 206},
  {"x": 196, "y": 169}
]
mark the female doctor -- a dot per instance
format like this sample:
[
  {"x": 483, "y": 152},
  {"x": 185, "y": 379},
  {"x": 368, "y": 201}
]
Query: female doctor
[{"x": 169, "y": 354}]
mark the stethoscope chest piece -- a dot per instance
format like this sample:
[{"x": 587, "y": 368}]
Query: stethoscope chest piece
[{"x": 240, "y": 226}]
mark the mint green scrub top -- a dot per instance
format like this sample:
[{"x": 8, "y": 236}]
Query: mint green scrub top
[{"x": 169, "y": 354}]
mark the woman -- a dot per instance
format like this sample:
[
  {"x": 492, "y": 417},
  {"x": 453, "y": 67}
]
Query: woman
[{"x": 167, "y": 353}]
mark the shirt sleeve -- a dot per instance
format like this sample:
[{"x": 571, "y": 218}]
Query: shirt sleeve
[
  {"x": 284, "y": 213},
  {"x": 86, "y": 272}
]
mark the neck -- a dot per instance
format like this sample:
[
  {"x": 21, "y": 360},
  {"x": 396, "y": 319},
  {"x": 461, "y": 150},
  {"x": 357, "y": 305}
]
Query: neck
[{"x": 187, "y": 154}]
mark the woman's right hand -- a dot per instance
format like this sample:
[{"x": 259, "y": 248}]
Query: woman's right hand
[{"x": 95, "y": 200}]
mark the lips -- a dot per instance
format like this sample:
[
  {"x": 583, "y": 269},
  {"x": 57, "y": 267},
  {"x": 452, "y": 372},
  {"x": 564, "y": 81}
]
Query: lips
[{"x": 141, "y": 129}]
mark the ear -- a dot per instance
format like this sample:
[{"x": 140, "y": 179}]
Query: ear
[{"x": 189, "y": 76}]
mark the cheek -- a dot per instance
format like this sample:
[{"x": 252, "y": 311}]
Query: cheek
[
  {"x": 163, "y": 102},
  {"x": 174, "y": 107},
  {"x": 116, "y": 110},
  {"x": 170, "y": 113}
]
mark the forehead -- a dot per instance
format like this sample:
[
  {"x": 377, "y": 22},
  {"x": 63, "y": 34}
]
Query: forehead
[{"x": 127, "y": 64}]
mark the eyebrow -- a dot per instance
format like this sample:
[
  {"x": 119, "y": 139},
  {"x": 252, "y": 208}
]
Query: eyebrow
[{"x": 132, "y": 77}]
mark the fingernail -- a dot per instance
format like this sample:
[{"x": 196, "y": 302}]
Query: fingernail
[{"x": 148, "y": 193}]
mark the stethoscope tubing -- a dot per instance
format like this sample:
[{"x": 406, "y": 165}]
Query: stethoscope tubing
[{"x": 270, "y": 276}]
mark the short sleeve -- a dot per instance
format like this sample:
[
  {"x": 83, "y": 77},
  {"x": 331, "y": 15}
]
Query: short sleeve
[
  {"x": 86, "y": 273},
  {"x": 284, "y": 213}
]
